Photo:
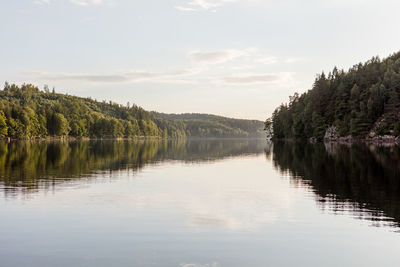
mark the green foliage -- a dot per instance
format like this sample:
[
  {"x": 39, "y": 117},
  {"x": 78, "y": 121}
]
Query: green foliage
[
  {"x": 206, "y": 125},
  {"x": 396, "y": 131},
  {"x": 16, "y": 128},
  {"x": 59, "y": 125},
  {"x": 78, "y": 128},
  {"x": 3, "y": 125},
  {"x": 383, "y": 129},
  {"x": 352, "y": 101},
  {"x": 318, "y": 125},
  {"x": 268, "y": 128},
  {"x": 27, "y": 112}
]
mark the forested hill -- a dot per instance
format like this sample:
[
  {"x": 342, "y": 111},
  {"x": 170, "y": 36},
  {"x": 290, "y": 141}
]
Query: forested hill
[
  {"x": 363, "y": 101},
  {"x": 27, "y": 112},
  {"x": 202, "y": 125}
]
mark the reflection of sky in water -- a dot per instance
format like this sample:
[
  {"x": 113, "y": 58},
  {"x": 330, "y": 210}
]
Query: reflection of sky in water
[
  {"x": 234, "y": 212},
  {"x": 226, "y": 199}
]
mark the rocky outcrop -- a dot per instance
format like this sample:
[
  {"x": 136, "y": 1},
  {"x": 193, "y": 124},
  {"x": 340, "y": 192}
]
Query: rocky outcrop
[
  {"x": 331, "y": 134},
  {"x": 383, "y": 139}
]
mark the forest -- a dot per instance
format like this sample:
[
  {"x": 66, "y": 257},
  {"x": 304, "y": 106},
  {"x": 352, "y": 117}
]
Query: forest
[
  {"x": 363, "y": 101},
  {"x": 27, "y": 112},
  {"x": 202, "y": 125}
]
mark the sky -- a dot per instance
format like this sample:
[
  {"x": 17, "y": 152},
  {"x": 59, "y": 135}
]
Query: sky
[{"x": 236, "y": 58}]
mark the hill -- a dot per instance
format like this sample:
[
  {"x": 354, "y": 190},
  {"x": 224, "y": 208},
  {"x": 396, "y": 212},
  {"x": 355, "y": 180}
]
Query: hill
[
  {"x": 27, "y": 112},
  {"x": 206, "y": 125},
  {"x": 361, "y": 102}
]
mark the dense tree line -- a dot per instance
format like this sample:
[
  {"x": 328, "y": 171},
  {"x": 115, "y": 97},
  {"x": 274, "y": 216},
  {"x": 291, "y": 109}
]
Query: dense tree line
[
  {"x": 27, "y": 112},
  {"x": 365, "y": 98},
  {"x": 207, "y": 125}
]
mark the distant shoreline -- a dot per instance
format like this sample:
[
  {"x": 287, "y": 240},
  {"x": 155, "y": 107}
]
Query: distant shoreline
[{"x": 70, "y": 138}]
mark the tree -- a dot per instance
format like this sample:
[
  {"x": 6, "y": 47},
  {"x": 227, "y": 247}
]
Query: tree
[
  {"x": 165, "y": 132},
  {"x": 396, "y": 130},
  {"x": 78, "y": 128},
  {"x": 61, "y": 126},
  {"x": 30, "y": 112},
  {"x": 3, "y": 125},
  {"x": 318, "y": 125},
  {"x": 46, "y": 89},
  {"x": 353, "y": 101},
  {"x": 268, "y": 128}
]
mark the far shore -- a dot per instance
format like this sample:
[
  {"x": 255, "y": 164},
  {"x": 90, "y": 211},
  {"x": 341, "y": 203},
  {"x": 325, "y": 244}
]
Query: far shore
[
  {"x": 71, "y": 138},
  {"x": 136, "y": 138}
]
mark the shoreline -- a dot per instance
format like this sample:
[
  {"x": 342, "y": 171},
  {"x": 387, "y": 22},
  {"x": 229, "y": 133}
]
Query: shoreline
[
  {"x": 384, "y": 140},
  {"x": 70, "y": 138},
  {"x": 137, "y": 138},
  {"x": 378, "y": 141}
]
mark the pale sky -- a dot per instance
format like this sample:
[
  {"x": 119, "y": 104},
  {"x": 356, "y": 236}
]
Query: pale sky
[{"x": 237, "y": 58}]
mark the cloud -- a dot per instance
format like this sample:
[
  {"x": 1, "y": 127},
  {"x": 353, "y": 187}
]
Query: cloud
[
  {"x": 256, "y": 78},
  {"x": 87, "y": 2},
  {"x": 77, "y": 2},
  {"x": 129, "y": 76},
  {"x": 267, "y": 60},
  {"x": 42, "y": 2},
  {"x": 181, "y": 8},
  {"x": 204, "y": 5},
  {"x": 215, "y": 57},
  {"x": 242, "y": 67},
  {"x": 293, "y": 60}
]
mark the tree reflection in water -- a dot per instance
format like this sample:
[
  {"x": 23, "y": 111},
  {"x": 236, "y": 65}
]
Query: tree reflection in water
[
  {"x": 363, "y": 180},
  {"x": 31, "y": 166}
]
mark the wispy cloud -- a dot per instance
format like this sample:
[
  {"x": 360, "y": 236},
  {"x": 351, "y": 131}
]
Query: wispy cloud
[
  {"x": 215, "y": 57},
  {"x": 203, "y": 5},
  {"x": 77, "y": 2},
  {"x": 89, "y": 2},
  {"x": 267, "y": 60},
  {"x": 42, "y": 2},
  {"x": 293, "y": 60},
  {"x": 257, "y": 78},
  {"x": 128, "y": 76},
  {"x": 182, "y": 8}
]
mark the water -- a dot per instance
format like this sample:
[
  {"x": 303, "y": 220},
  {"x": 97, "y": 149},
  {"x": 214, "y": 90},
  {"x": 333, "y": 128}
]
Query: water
[{"x": 197, "y": 203}]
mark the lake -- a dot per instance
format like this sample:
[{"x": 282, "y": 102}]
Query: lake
[{"x": 198, "y": 203}]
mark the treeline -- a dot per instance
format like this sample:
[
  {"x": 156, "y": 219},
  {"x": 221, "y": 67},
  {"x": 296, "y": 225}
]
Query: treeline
[
  {"x": 27, "y": 112},
  {"x": 207, "y": 125},
  {"x": 363, "y": 100}
]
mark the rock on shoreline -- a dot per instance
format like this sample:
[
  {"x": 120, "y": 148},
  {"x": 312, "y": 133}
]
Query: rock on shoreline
[{"x": 332, "y": 135}]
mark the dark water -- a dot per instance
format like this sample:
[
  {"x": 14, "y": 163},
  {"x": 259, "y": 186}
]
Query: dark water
[{"x": 198, "y": 203}]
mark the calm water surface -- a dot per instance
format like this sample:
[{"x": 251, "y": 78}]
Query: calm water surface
[{"x": 214, "y": 203}]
